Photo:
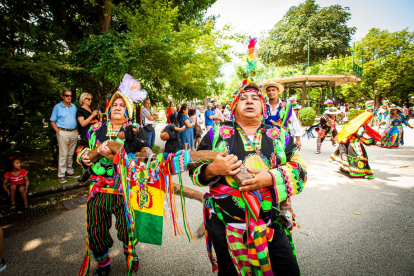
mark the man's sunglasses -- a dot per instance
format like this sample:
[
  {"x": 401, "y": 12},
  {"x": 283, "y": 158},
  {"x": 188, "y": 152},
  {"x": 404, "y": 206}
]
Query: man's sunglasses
[{"x": 69, "y": 96}]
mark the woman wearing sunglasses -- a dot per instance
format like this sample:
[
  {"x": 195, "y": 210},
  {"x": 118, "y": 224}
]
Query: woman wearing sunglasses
[{"x": 86, "y": 115}]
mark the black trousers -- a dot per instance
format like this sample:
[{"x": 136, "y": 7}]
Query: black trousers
[{"x": 281, "y": 255}]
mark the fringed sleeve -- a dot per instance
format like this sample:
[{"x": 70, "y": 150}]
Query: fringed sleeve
[
  {"x": 206, "y": 144},
  {"x": 289, "y": 178}
]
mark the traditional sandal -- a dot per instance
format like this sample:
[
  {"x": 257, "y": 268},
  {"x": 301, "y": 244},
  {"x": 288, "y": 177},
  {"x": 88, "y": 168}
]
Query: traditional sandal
[
  {"x": 13, "y": 208},
  {"x": 26, "y": 207}
]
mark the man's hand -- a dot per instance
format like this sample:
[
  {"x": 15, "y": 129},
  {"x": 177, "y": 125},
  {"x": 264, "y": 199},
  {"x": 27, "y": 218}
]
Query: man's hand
[
  {"x": 224, "y": 165},
  {"x": 298, "y": 142},
  {"x": 262, "y": 179},
  {"x": 85, "y": 159},
  {"x": 104, "y": 150}
]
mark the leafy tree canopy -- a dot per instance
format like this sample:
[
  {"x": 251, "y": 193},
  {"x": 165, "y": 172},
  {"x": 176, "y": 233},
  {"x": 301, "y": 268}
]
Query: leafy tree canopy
[
  {"x": 326, "y": 28},
  {"x": 84, "y": 45},
  {"x": 388, "y": 59}
]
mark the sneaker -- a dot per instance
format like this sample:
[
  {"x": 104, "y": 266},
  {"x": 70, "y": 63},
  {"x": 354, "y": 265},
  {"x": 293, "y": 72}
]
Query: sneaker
[
  {"x": 3, "y": 265},
  {"x": 136, "y": 262},
  {"x": 73, "y": 175},
  {"x": 62, "y": 180},
  {"x": 317, "y": 152},
  {"x": 100, "y": 272}
]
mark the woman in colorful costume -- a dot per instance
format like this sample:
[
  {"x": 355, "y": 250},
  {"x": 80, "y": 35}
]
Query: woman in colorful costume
[
  {"x": 241, "y": 220},
  {"x": 105, "y": 194},
  {"x": 369, "y": 107},
  {"x": 351, "y": 155},
  {"x": 393, "y": 135},
  {"x": 384, "y": 115},
  {"x": 280, "y": 112}
]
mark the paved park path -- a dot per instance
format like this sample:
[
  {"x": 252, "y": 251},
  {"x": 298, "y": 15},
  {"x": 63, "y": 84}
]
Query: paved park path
[{"x": 348, "y": 226}]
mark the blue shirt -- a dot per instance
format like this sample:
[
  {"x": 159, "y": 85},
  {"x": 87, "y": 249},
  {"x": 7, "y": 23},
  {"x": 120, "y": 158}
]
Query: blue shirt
[
  {"x": 64, "y": 116},
  {"x": 209, "y": 122}
]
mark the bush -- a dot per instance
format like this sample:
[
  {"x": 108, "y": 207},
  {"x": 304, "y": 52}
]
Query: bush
[
  {"x": 353, "y": 113},
  {"x": 307, "y": 116}
]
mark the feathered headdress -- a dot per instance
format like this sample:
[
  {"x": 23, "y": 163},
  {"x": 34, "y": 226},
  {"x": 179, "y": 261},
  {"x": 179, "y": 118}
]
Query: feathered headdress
[
  {"x": 251, "y": 56},
  {"x": 130, "y": 90}
]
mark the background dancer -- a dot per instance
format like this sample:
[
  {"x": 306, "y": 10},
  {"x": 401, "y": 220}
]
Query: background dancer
[
  {"x": 327, "y": 125},
  {"x": 383, "y": 117},
  {"x": 369, "y": 107},
  {"x": 351, "y": 155},
  {"x": 393, "y": 135}
]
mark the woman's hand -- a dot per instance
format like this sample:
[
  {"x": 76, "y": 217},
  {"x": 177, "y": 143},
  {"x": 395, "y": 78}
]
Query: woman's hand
[
  {"x": 85, "y": 159},
  {"x": 262, "y": 179},
  {"x": 104, "y": 150},
  {"x": 94, "y": 113}
]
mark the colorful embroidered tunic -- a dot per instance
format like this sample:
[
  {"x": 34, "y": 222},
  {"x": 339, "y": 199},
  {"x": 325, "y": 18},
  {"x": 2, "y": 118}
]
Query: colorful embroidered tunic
[
  {"x": 282, "y": 115},
  {"x": 102, "y": 172},
  {"x": 384, "y": 116},
  {"x": 273, "y": 150},
  {"x": 393, "y": 135}
]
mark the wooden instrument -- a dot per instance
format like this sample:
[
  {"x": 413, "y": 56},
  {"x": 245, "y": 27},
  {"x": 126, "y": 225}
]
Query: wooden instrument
[
  {"x": 277, "y": 124},
  {"x": 197, "y": 157}
]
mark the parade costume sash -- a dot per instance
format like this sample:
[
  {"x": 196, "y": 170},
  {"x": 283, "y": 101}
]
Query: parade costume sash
[
  {"x": 149, "y": 185},
  {"x": 255, "y": 251}
]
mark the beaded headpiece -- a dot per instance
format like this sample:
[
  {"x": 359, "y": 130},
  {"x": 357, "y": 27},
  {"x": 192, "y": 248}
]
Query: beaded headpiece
[
  {"x": 369, "y": 105},
  {"x": 329, "y": 104},
  {"x": 248, "y": 85},
  {"x": 130, "y": 90},
  {"x": 293, "y": 102}
]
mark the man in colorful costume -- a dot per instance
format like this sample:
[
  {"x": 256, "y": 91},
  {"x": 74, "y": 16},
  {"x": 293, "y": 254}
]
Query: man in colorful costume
[
  {"x": 327, "y": 124},
  {"x": 245, "y": 227},
  {"x": 351, "y": 155},
  {"x": 369, "y": 107},
  {"x": 280, "y": 111},
  {"x": 106, "y": 196}
]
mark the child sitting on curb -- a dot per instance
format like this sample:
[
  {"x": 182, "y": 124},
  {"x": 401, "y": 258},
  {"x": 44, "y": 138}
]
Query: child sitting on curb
[{"x": 17, "y": 179}]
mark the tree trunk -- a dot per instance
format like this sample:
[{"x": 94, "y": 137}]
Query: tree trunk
[
  {"x": 104, "y": 9},
  {"x": 378, "y": 101},
  {"x": 138, "y": 115}
]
